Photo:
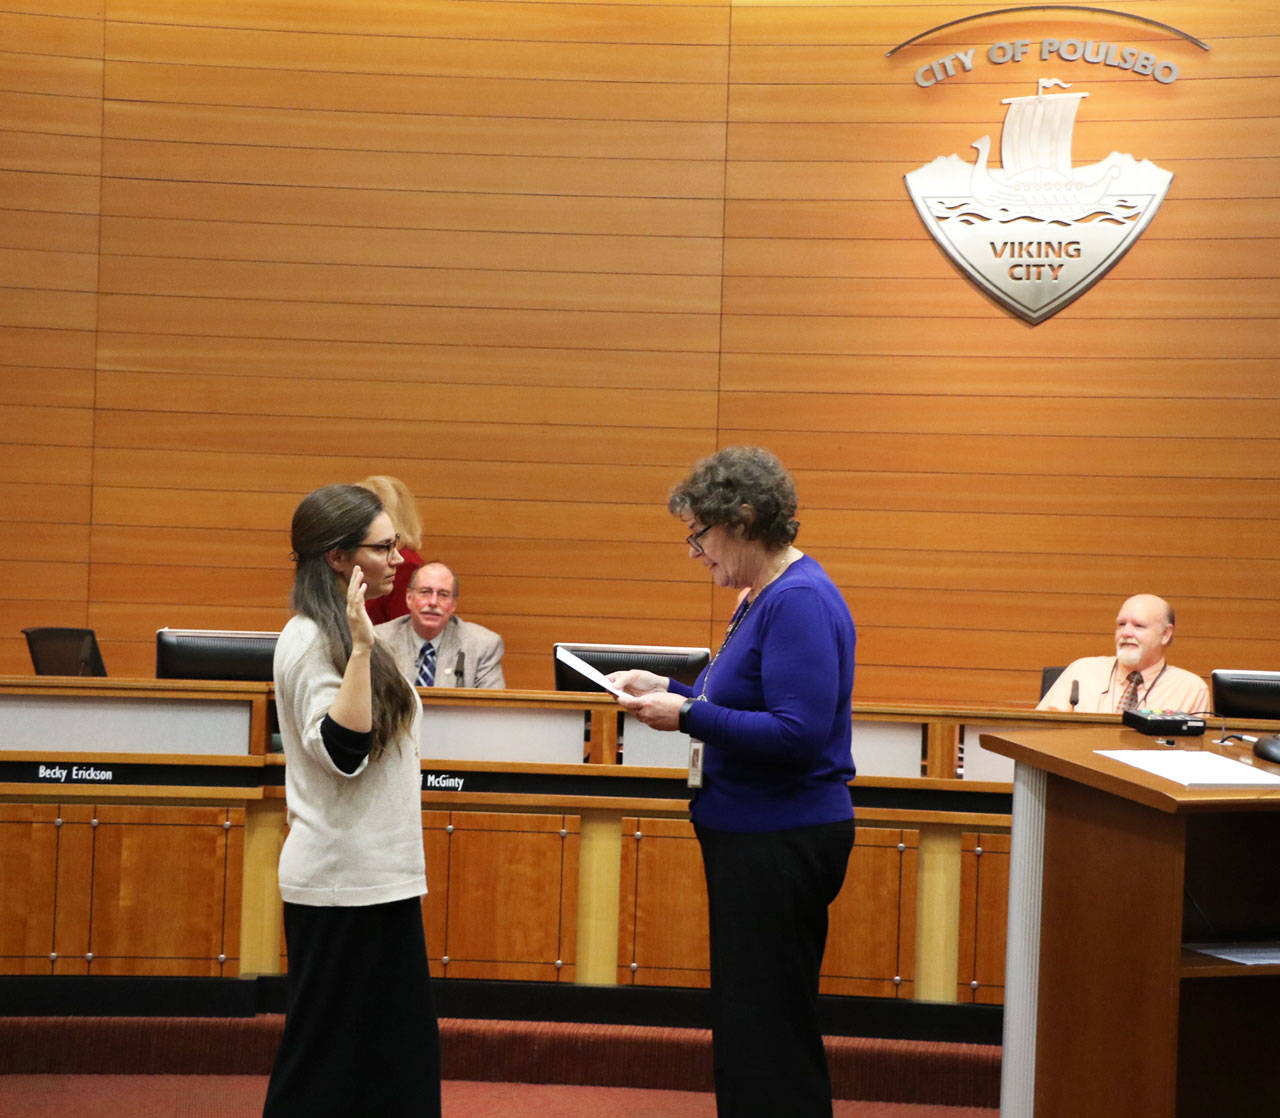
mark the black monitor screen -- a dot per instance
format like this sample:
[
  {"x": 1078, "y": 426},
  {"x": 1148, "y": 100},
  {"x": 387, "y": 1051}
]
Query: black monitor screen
[
  {"x": 683, "y": 664},
  {"x": 215, "y": 654},
  {"x": 1246, "y": 694}
]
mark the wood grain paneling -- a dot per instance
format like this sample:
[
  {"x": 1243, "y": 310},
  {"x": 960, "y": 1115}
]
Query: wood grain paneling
[
  {"x": 635, "y": 256},
  {"x": 412, "y": 209},
  {"x": 536, "y": 258},
  {"x": 188, "y": 82},
  {"x": 187, "y": 928},
  {"x": 872, "y": 934},
  {"x": 28, "y": 861},
  {"x": 382, "y": 170},
  {"x": 401, "y": 132},
  {"x": 435, "y": 905},
  {"x": 403, "y": 285},
  {"x": 328, "y": 52},
  {"x": 662, "y": 928},
  {"x": 81, "y": 892},
  {"x": 531, "y": 405},
  {"x": 512, "y": 902},
  {"x": 329, "y": 321},
  {"x": 984, "y": 892},
  {"x": 51, "y": 108},
  {"x": 662, "y": 920},
  {"x": 73, "y": 916},
  {"x": 367, "y": 441},
  {"x": 681, "y": 20}
]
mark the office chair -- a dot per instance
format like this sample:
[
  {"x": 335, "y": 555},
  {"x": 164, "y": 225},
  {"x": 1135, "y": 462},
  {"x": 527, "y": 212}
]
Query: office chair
[
  {"x": 59, "y": 651},
  {"x": 1048, "y": 677}
]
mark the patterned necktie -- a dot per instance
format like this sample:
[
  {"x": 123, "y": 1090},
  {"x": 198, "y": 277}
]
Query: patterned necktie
[
  {"x": 1129, "y": 700},
  {"x": 426, "y": 665}
]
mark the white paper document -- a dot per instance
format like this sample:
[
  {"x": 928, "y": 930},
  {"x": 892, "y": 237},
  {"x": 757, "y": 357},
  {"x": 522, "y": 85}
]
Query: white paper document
[
  {"x": 1194, "y": 768},
  {"x": 579, "y": 665},
  {"x": 1250, "y": 954}
]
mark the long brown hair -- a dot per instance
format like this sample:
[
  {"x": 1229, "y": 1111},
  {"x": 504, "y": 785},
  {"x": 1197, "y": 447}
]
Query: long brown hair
[{"x": 337, "y": 516}]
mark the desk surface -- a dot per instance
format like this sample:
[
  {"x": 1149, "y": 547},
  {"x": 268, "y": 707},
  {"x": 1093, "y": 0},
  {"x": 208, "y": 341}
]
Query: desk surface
[{"x": 1071, "y": 752}]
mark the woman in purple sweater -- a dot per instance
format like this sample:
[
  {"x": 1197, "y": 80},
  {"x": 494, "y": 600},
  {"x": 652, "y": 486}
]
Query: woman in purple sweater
[{"x": 771, "y": 808}]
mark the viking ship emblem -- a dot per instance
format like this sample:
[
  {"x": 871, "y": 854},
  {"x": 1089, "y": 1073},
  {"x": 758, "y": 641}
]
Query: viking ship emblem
[{"x": 1037, "y": 232}]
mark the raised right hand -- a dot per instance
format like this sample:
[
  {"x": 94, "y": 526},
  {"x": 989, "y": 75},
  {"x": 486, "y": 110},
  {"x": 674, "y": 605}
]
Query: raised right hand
[{"x": 362, "y": 634}]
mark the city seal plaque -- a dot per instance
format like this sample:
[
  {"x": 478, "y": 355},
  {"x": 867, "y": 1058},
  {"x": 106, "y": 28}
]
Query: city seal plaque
[{"x": 1037, "y": 232}]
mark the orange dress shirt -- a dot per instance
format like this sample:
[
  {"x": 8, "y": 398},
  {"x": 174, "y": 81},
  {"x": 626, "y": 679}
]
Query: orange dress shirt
[{"x": 1102, "y": 682}]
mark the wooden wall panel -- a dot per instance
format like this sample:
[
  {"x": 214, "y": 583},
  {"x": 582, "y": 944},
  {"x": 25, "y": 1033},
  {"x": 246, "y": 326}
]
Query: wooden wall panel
[
  {"x": 871, "y": 941},
  {"x": 338, "y": 53},
  {"x": 73, "y": 911},
  {"x": 535, "y": 258},
  {"x": 50, "y": 147},
  {"x": 79, "y": 894},
  {"x": 395, "y": 209},
  {"x": 823, "y": 268},
  {"x": 401, "y": 132},
  {"x": 28, "y": 868},
  {"x": 662, "y": 918},
  {"x": 984, "y": 910},
  {"x": 512, "y": 897},
  {"x": 395, "y": 250},
  {"x": 435, "y": 905},
  {"x": 662, "y": 922},
  {"x": 469, "y": 95},
  {"x": 188, "y": 928}
]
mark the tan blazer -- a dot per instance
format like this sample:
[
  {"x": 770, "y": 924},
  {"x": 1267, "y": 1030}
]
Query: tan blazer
[{"x": 463, "y": 644}]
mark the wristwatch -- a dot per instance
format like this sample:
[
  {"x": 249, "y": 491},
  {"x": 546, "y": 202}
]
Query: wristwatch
[{"x": 685, "y": 708}]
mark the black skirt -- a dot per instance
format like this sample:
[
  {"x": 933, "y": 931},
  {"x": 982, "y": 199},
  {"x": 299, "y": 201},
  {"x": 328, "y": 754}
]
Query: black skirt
[{"x": 360, "y": 1035}]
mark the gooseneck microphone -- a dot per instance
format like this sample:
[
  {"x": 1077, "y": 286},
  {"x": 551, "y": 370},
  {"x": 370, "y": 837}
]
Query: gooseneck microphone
[
  {"x": 459, "y": 668},
  {"x": 1075, "y": 693}
]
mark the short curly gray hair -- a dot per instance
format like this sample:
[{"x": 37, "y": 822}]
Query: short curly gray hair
[{"x": 741, "y": 486}]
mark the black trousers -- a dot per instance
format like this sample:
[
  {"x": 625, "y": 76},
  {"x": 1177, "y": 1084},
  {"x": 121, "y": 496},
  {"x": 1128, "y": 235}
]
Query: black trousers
[
  {"x": 768, "y": 896},
  {"x": 360, "y": 1036}
]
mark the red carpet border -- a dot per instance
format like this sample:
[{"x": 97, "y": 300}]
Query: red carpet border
[{"x": 906, "y": 1071}]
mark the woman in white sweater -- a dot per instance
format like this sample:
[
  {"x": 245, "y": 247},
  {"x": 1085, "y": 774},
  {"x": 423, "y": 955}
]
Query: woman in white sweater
[{"x": 360, "y": 1035}]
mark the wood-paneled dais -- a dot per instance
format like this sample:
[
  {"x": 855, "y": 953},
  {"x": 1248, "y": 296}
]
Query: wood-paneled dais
[{"x": 108, "y": 889}]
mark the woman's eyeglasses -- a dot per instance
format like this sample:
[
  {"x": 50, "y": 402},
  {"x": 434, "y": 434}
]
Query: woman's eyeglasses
[
  {"x": 694, "y": 539},
  {"x": 384, "y": 549}
]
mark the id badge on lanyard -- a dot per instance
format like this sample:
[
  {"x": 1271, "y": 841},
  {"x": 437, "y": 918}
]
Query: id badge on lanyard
[{"x": 695, "y": 763}]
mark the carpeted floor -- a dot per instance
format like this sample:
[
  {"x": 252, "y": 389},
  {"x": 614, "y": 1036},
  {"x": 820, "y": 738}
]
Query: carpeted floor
[
  {"x": 66, "y": 1067},
  {"x": 240, "y": 1096},
  {"x": 493, "y": 1052}
]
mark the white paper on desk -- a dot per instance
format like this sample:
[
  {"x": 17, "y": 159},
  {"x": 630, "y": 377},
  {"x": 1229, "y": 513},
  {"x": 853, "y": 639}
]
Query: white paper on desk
[
  {"x": 579, "y": 665},
  {"x": 1194, "y": 768},
  {"x": 1250, "y": 954}
]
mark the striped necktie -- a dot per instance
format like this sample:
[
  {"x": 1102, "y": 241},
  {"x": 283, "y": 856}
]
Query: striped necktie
[{"x": 426, "y": 665}]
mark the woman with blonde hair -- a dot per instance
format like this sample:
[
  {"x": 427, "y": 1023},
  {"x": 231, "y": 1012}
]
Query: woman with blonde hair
[{"x": 399, "y": 504}]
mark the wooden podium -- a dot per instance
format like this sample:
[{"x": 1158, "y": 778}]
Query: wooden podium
[{"x": 1113, "y": 872}]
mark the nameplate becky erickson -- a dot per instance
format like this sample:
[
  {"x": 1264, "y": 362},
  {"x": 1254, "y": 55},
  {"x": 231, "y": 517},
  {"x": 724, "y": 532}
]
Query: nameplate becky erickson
[{"x": 74, "y": 774}]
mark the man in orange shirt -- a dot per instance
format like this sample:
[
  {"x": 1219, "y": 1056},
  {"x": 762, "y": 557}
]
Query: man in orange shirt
[{"x": 1137, "y": 677}]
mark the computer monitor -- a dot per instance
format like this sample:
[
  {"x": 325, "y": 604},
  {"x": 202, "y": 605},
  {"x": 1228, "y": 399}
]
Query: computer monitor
[
  {"x": 683, "y": 664},
  {"x": 1238, "y": 693},
  {"x": 215, "y": 654}
]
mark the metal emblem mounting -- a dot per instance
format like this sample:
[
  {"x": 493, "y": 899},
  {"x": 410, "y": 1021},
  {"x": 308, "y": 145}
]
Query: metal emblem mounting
[{"x": 1037, "y": 233}]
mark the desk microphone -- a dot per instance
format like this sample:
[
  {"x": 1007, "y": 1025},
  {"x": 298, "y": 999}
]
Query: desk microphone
[
  {"x": 1075, "y": 693},
  {"x": 459, "y": 668}
]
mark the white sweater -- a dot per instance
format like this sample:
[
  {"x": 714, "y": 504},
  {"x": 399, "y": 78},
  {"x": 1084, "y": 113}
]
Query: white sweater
[{"x": 353, "y": 839}]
